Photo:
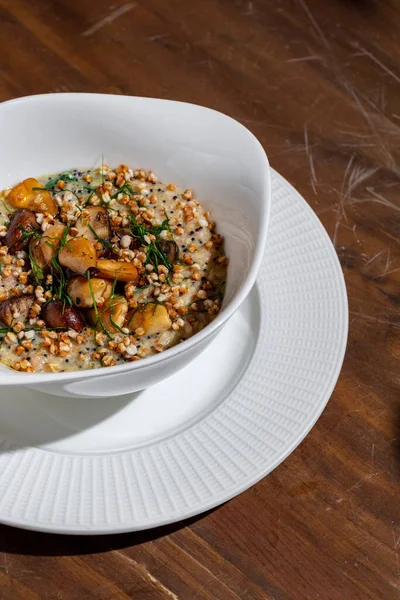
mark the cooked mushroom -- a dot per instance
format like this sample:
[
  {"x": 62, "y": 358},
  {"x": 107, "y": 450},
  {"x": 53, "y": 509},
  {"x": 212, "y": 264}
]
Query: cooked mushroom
[
  {"x": 58, "y": 314},
  {"x": 152, "y": 318},
  {"x": 94, "y": 223},
  {"x": 112, "y": 269},
  {"x": 31, "y": 194},
  {"x": 15, "y": 309},
  {"x": 50, "y": 241},
  {"x": 80, "y": 291},
  {"x": 22, "y": 222},
  {"x": 170, "y": 249},
  {"x": 78, "y": 255},
  {"x": 112, "y": 316}
]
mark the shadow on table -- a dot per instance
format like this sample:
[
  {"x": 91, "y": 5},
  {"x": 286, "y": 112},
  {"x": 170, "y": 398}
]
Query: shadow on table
[{"x": 31, "y": 543}]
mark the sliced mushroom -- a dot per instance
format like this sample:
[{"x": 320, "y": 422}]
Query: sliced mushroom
[
  {"x": 112, "y": 316},
  {"x": 31, "y": 194},
  {"x": 50, "y": 241},
  {"x": 170, "y": 249},
  {"x": 112, "y": 269},
  {"x": 57, "y": 314},
  {"x": 80, "y": 291},
  {"x": 152, "y": 318},
  {"x": 78, "y": 255},
  {"x": 15, "y": 309},
  {"x": 22, "y": 222},
  {"x": 94, "y": 223}
]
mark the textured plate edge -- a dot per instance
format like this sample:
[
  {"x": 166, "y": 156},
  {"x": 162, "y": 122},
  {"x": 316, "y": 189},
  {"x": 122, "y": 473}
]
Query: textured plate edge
[{"x": 109, "y": 529}]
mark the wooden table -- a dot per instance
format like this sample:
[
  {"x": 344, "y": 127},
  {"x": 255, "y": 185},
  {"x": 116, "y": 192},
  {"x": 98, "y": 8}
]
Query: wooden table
[{"x": 318, "y": 83}]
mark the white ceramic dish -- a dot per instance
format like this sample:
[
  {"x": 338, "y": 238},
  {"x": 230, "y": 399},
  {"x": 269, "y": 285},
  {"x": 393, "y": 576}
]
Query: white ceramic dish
[
  {"x": 190, "y": 442},
  {"x": 190, "y": 145}
]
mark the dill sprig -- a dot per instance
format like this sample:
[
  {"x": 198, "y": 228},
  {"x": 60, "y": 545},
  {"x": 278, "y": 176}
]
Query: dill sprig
[
  {"x": 96, "y": 310},
  {"x": 124, "y": 189},
  {"x": 37, "y": 270},
  {"x": 59, "y": 279},
  {"x": 6, "y": 207},
  {"x": 154, "y": 254},
  {"x": 105, "y": 243},
  {"x": 88, "y": 199},
  {"x": 111, "y": 306},
  {"x": 63, "y": 176}
]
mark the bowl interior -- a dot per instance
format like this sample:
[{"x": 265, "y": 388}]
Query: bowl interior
[{"x": 189, "y": 145}]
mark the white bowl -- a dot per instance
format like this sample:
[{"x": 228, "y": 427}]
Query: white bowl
[{"x": 189, "y": 145}]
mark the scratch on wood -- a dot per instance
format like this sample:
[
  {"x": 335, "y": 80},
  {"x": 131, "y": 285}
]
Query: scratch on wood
[
  {"x": 157, "y": 583},
  {"x": 304, "y": 59},
  {"x": 357, "y": 176},
  {"x": 314, "y": 23},
  {"x": 341, "y": 212},
  {"x": 378, "y": 198},
  {"x": 386, "y": 269},
  {"x": 147, "y": 575},
  {"x": 374, "y": 319},
  {"x": 356, "y": 134},
  {"x": 361, "y": 482},
  {"x": 310, "y": 159},
  {"x": 161, "y": 36},
  {"x": 353, "y": 509},
  {"x": 396, "y": 547},
  {"x": 358, "y": 102},
  {"x": 118, "y": 12},
  {"x": 365, "y": 52}
]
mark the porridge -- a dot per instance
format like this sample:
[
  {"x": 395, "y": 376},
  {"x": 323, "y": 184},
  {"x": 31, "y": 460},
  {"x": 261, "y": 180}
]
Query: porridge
[{"x": 102, "y": 266}]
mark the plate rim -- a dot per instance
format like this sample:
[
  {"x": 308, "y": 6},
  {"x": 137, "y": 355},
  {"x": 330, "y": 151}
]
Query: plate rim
[{"x": 224, "y": 496}]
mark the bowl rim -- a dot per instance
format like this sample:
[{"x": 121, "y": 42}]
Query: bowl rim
[{"x": 17, "y": 378}]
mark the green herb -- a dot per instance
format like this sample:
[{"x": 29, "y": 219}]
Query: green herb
[
  {"x": 37, "y": 271},
  {"x": 124, "y": 189},
  {"x": 105, "y": 243},
  {"x": 102, "y": 167},
  {"x": 76, "y": 196},
  {"x": 6, "y": 207},
  {"x": 27, "y": 234},
  {"x": 63, "y": 176},
  {"x": 113, "y": 323},
  {"x": 113, "y": 287},
  {"x": 111, "y": 306},
  {"x": 59, "y": 279},
  {"x": 163, "y": 226},
  {"x": 141, "y": 307},
  {"x": 96, "y": 312},
  {"x": 88, "y": 199},
  {"x": 141, "y": 288},
  {"x": 154, "y": 254}
]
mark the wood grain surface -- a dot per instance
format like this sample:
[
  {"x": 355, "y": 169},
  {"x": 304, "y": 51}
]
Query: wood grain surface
[{"x": 318, "y": 82}]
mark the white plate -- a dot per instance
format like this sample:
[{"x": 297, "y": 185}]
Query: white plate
[{"x": 207, "y": 433}]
